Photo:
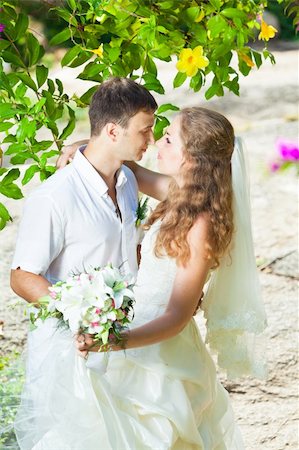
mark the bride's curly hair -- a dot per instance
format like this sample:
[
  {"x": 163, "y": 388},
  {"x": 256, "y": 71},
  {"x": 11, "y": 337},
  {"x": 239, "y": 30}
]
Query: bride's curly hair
[{"x": 208, "y": 139}]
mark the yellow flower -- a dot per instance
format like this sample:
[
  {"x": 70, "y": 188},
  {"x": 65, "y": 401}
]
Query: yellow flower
[
  {"x": 267, "y": 31},
  {"x": 98, "y": 51},
  {"x": 247, "y": 59},
  {"x": 200, "y": 16},
  {"x": 192, "y": 60}
]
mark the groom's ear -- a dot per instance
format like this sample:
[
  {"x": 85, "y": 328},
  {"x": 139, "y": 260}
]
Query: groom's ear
[{"x": 112, "y": 131}]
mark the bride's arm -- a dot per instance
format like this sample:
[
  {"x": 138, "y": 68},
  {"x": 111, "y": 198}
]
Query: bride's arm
[
  {"x": 187, "y": 289},
  {"x": 149, "y": 182}
]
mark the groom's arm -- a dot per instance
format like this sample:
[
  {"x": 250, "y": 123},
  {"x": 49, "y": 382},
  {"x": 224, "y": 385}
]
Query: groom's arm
[
  {"x": 40, "y": 240},
  {"x": 28, "y": 285}
]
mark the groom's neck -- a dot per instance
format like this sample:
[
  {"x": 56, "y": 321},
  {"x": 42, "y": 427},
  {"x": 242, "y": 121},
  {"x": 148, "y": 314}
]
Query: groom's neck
[{"x": 103, "y": 159}]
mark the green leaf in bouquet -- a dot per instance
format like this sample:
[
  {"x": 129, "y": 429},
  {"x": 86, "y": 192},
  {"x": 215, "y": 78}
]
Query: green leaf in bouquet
[
  {"x": 32, "y": 321},
  {"x": 104, "y": 336},
  {"x": 119, "y": 286}
]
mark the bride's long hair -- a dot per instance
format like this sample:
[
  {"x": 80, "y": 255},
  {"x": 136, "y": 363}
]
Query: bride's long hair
[{"x": 208, "y": 139}]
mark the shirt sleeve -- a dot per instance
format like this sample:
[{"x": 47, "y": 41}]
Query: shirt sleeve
[{"x": 40, "y": 236}]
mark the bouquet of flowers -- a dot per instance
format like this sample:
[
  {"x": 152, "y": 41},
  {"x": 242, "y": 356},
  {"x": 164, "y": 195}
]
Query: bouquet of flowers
[{"x": 99, "y": 302}]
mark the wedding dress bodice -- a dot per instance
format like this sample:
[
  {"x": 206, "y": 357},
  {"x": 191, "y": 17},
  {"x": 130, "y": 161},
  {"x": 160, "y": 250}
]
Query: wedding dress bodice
[{"x": 155, "y": 280}]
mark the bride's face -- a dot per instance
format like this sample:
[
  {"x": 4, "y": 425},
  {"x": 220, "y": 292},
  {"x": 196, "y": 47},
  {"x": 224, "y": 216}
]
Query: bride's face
[{"x": 170, "y": 149}]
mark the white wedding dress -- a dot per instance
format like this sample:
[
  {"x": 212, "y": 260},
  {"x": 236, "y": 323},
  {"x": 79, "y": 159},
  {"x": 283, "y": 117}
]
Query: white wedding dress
[{"x": 160, "y": 397}]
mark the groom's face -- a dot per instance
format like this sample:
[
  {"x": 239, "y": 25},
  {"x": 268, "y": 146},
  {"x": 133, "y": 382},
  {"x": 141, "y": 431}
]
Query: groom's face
[{"x": 135, "y": 138}]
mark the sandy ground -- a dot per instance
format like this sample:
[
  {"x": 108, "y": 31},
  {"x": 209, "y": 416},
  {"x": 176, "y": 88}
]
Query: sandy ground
[{"x": 266, "y": 110}]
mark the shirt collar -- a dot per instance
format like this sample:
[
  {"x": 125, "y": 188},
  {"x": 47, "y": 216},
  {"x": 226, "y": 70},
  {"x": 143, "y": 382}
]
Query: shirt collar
[{"x": 86, "y": 169}]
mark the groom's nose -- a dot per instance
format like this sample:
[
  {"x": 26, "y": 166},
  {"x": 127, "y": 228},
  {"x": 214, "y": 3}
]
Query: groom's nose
[{"x": 151, "y": 139}]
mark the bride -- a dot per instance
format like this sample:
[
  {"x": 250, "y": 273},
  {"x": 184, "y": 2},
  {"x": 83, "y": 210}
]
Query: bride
[{"x": 162, "y": 393}]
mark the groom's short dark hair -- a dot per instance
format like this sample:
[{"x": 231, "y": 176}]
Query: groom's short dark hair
[{"x": 117, "y": 100}]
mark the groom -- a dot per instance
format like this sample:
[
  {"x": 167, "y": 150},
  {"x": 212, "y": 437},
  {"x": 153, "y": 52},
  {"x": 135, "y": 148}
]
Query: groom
[{"x": 84, "y": 215}]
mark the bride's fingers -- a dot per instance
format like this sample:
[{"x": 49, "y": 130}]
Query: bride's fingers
[
  {"x": 88, "y": 339},
  {"x": 83, "y": 354},
  {"x": 63, "y": 160}
]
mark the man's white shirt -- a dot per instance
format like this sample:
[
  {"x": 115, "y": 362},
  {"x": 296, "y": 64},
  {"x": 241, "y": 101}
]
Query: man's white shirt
[{"x": 70, "y": 223}]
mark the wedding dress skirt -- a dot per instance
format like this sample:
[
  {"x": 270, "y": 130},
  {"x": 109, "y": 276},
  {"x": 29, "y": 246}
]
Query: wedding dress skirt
[{"x": 159, "y": 397}]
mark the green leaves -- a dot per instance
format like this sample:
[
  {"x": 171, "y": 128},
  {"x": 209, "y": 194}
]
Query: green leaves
[
  {"x": 35, "y": 50},
  {"x": 41, "y": 75},
  {"x": 8, "y": 187},
  {"x": 216, "y": 25},
  {"x": 133, "y": 35},
  {"x": 70, "y": 55},
  {"x": 167, "y": 107},
  {"x": 179, "y": 79},
  {"x": 21, "y": 25},
  {"x": 152, "y": 83},
  {"x": 70, "y": 126},
  {"x": 27, "y": 80},
  {"x": 160, "y": 124},
  {"x": 4, "y": 216},
  {"x": 61, "y": 37}
]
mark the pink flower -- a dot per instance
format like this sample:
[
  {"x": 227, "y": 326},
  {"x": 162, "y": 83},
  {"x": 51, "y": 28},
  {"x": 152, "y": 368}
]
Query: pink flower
[
  {"x": 94, "y": 324},
  {"x": 2, "y": 27},
  {"x": 98, "y": 311},
  {"x": 113, "y": 303},
  {"x": 288, "y": 151},
  {"x": 274, "y": 167},
  {"x": 53, "y": 295}
]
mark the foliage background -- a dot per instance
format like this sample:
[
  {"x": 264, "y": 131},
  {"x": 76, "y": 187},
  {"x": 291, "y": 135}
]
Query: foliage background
[{"x": 104, "y": 38}]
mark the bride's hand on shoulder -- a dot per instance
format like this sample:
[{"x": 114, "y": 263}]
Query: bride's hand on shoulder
[{"x": 68, "y": 153}]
